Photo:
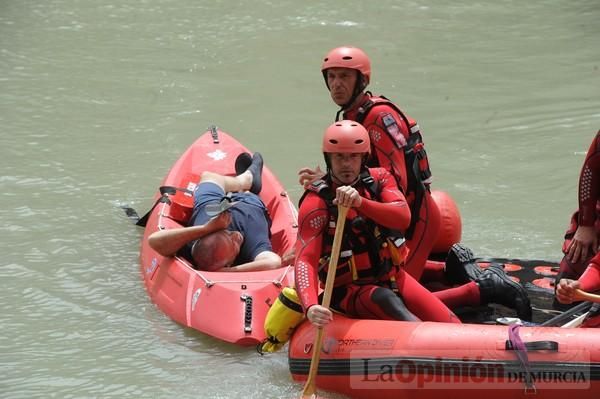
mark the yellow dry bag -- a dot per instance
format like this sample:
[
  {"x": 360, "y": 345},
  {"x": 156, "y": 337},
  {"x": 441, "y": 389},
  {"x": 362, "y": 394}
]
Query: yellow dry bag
[{"x": 283, "y": 317}]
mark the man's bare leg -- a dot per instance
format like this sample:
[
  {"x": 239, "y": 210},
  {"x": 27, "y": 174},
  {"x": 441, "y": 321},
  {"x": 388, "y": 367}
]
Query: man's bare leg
[{"x": 250, "y": 180}]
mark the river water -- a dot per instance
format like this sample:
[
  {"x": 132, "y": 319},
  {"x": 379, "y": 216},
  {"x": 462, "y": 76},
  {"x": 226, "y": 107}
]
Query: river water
[{"x": 99, "y": 98}]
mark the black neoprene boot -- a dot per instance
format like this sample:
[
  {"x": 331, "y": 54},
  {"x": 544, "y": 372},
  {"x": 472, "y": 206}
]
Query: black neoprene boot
[
  {"x": 495, "y": 286},
  {"x": 256, "y": 169},
  {"x": 254, "y": 164},
  {"x": 242, "y": 163},
  {"x": 461, "y": 266}
]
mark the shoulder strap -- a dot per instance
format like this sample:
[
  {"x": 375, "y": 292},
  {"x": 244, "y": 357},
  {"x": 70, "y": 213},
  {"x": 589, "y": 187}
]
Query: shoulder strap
[
  {"x": 372, "y": 102},
  {"x": 370, "y": 184},
  {"x": 322, "y": 189}
]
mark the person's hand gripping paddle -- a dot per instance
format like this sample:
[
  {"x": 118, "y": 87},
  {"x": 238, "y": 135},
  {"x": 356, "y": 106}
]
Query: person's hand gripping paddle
[{"x": 581, "y": 295}]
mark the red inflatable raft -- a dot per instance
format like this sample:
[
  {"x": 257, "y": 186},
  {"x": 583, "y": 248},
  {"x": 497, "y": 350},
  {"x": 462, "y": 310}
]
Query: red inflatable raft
[
  {"x": 228, "y": 306},
  {"x": 392, "y": 359}
]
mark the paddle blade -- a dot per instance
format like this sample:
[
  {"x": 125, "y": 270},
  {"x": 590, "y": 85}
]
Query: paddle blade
[
  {"x": 312, "y": 396},
  {"x": 310, "y": 387},
  {"x": 309, "y": 392}
]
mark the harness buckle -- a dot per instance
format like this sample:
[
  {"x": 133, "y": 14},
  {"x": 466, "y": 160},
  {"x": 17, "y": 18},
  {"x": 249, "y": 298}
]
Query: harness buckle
[
  {"x": 393, "y": 284},
  {"x": 418, "y": 147}
]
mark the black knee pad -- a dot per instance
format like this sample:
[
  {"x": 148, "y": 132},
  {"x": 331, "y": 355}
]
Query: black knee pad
[{"x": 392, "y": 304}]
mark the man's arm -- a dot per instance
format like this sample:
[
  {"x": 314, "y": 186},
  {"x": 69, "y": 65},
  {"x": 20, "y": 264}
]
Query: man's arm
[
  {"x": 589, "y": 184},
  {"x": 589, "y": 281},
  {"x": 392, "y": 211},
  {"x": 585, "y": 240},
  {"x": 313, "y": 219},
  {"x": 265, "y": 260},
  {"x": 168, "y": 242}
]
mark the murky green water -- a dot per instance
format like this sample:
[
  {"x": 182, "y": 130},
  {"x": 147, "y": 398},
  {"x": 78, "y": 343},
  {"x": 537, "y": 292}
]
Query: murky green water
[{"x": 99, "y": 98}]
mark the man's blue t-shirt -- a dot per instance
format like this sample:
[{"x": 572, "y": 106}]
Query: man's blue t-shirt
[{"x": 249, "y": 217}]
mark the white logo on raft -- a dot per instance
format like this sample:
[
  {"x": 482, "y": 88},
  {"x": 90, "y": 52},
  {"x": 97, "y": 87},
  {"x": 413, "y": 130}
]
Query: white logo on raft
[
  {"x": 195, "y": 297},
  {"x": 217, "y": 155},
  {"x": 154, "y": 264}
]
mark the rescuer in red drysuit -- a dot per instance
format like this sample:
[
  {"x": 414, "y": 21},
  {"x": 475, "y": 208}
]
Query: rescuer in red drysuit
[
  {"x": 369, "y": 281},
  {"x": 581, "y": 239}
]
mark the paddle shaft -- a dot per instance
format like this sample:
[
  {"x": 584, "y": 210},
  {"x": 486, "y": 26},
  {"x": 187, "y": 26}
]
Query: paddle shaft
[
  {"x": 310, "y": 387},
  {"x": 586, "y": 296}
]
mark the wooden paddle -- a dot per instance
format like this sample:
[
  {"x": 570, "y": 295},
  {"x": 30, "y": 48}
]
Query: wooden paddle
[
  {"x": 586, "y": 296},
  {"x": 310, "y": 387}
]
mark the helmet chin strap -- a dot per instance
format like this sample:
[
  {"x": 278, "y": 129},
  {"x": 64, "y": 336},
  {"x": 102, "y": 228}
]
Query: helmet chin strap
[{"x": 336, "y": 180}]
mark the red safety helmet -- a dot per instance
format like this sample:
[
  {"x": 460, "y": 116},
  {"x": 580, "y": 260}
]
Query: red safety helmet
[
  {"x": 346, "y": 137},
  {"x": 348, "y": 57}
]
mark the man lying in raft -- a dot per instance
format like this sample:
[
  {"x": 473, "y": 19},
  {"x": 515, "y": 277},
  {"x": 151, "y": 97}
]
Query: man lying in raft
[
  {"x": 370, "y": 280},
  {"x": 237, "y": 235},
  {"x": 589, "y": 281}
]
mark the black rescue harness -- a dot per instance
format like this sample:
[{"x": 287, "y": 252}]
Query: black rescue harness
[
  {"x": 360, "y": 236},
  {"x": 415, "y": 157}
]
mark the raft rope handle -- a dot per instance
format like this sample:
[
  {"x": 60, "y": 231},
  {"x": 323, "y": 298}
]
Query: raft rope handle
[
  {"x": 209, "y": 283},
  {"x": 551, "y": 346},
  {"x": 521, "y": 350}
]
